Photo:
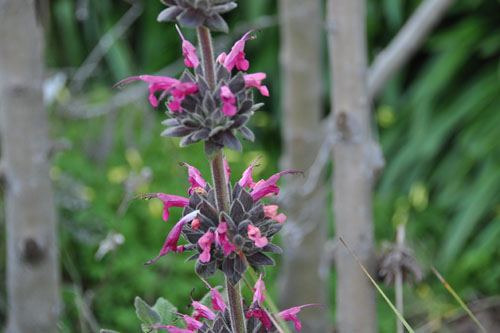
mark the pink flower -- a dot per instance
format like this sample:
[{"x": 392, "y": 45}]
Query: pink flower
[
  {"x": 205, "y": 243},
  {"x": 260, "y": 314},
  {"x": 195, "y": 224},
  {"x": 271, "y": 210},
  {"x": 255, "y": 80},
  {"x": 259, "y": 291},
  {"x": 222, "y": 240},
  {"x": 228, "y": 99},
  {"x": 254, "y": 234},
  {"x": 291, "y": 315},
  {"x": 173, "y": 237},
  {"x": 267, "y": 187},
  {"x": 171, "y": 329},
  {"x": 236, "y": 57},
  {"x": 217, "y": 301},
  {"x": 195, "y": 178},
  {"x": 170, "y": 200},
  {"x": 246, "y": 178},
  {"x": 227, "y": 169},
  {"x": 179, "y": 90},
  {"x": 188, "y": 51},
  {"x": 192, "y": 324},
  {"x": 201, "y": 310}
]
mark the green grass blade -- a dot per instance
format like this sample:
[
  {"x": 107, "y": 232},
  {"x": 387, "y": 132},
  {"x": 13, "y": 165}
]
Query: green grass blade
[
  {"x": 405, "y": 323},
  {"x": 458, "y": 299}
]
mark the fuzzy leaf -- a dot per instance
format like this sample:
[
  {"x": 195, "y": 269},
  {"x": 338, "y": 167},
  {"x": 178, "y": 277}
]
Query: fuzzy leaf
[
  {"x": 260, "y": 259},
  {"x": 247, "y": 133},
  {"x": 221, "y": 9},
  {"x": 237, "y": 212},
  {"x": 205, "y": 270},
  {"x": 272, "y": 248},
  {"x": 166, "y": 310},
  {"x": 237, "y": 84},
  {"x": 216, "y": 23},
  {"x": 191, "y": 18},
  {"x": 169, "y": 14},
  {"x": 230, "y": 141},
  {"x": 177, "y": 131},
  {"x": 145, "y": 313}
]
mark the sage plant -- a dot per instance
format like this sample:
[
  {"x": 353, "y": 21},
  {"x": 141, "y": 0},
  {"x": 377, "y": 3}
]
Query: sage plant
[{"x": 228, "y": 227}]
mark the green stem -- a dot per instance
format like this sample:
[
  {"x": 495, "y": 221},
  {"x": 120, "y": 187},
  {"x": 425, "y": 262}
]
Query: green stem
[{"x": 207, "y": 55}]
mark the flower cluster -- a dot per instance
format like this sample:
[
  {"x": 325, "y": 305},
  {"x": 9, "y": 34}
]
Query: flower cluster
[
  {"x": 225, "y": 241},
  {"x": 197, "y": 111},
  {"x": 258, "y": 318}
]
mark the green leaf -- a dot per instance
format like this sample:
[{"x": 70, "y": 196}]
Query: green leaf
[
  {"x": 145, "y": 313},
  {"x": 107, "y": 331},
  {"x": 166, "y": 310}
]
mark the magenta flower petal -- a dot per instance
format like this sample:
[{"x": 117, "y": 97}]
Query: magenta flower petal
[
  {"x": 192, "y": 324},
  {"x": 271, "y": 211},
  {"x": 170, "y": 200},
  {"x": 267, "y": 187},
  {"x": 195, "y": 178},
  {"x": 173, "y": 237},
  {"x": 260, "y": 314},
  {"x": 222, "y": 240},
  {"x": 205, "y": 243},
  {"x": 188, "y": 51},
  {"x": 246, "y": 178},
  {"x": 217, "y": 301},
  {"x": 228, "y": 99},
  {"x": 291, "y": 315},
  {"x": 254, "y": 234},
  {"x": 227, "y": 169},
  {"x": 255, "y": 80},
  {"x": 221, "y": 58},
  {"x": 237, "y": 57},
  {"x": 201, "y": 310},
  {"x": 259, "y": 291}
]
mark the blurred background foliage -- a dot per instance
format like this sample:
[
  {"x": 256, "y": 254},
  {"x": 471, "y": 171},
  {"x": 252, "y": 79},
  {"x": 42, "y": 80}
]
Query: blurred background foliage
[{"x": 438, "y": 121}]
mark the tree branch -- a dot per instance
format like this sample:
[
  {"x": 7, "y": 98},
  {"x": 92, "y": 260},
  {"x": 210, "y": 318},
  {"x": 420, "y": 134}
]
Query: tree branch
[{"x": 406, "y": 42}]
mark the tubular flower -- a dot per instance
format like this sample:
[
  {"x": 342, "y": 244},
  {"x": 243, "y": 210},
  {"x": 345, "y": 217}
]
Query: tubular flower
[
  {"x": 205, "y": 243},
  {"x": 228, "y": 99},
  {"x": 291, "y": 315},
  {"x": 246, "y": 178},
  {"x": 271, "y": 210},
  {"x": 267, "y": 187},
  {"x": 173, "y": 237},
  {"x": 222, "y": 240},
  {"x": 178, "y": 89},
  {"x": 168, "y": 200},
  {"x": 254, "y": 234},
  {"x": 259, "y": 291},
  {"x": 192, "y": 324},
  {"x": 202, "y": 311},
  {"x": 255, "y": 80},
  {"x": 195, "y": 178},
  {"x": 188, "y": 51},
  {"x": 260, "y": 314},
  {"x": 217, "y": 301},
  {"x": 237, "y": 56}
]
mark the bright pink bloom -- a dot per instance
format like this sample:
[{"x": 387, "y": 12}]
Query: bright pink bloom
[
  {"x": 205, "y": 243},
  {"x": 260, "y": 314},
  {"x": 271, "y": 210},
  {"x": 246, "y": 178},
  {"x": 179, "y": 90},
  {"x": 255, "y": 80},
  {"x": 201, "y": 310},
  {"x": 254, "y": 234},
  {"x": 237, "y": 57},
  {"x": 169, "y": 200},
  {"x": 267, "y": 187},
  {"x": 291, "y": 315},
  {"x": 188, "y": 51},
  {"x": 217, "y": 301},
  {"x": 195, "y": 224},
  {"x": 259, "y": 291},
  {"x": 222, "y": 240},
  {"x": 173, "y": 237},
  {"x": 195, "y": 178},
  {"x": 228, "y": 99},
  {"x": 192, "y": 324},
  {"x": 227, "y": 169},
  {"x": 221, "y": 58},
  {"x": 171, "y": 329}
]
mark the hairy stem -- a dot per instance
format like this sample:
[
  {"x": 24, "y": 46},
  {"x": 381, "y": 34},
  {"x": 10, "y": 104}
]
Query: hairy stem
[
  {"x": 236, "y": 307},
  {"x": 207, "y": 55}
]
